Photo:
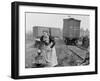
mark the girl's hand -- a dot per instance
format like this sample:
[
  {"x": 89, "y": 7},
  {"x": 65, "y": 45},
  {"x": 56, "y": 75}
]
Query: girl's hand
[{"x": 48, "y": 48}]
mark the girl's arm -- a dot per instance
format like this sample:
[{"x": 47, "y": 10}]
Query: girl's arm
[{"x": 52, "y": 43}]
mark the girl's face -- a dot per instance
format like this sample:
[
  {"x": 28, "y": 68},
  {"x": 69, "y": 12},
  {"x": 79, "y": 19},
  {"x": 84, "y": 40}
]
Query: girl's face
[
  {"x": 46, "y": 37},
  {"x": 45, "y": 34}
]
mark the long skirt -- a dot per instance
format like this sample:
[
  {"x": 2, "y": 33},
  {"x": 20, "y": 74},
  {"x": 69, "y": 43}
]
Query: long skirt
[{"x": 50, "y": 57}]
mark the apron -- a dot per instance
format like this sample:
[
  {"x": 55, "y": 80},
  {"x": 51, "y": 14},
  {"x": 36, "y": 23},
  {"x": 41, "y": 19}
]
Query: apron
[{"x": 50, "y": 56}]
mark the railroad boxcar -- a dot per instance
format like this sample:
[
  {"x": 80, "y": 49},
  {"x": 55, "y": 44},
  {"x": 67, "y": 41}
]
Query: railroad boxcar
[
  {"x": 71, "y": 30},
  {"x": 38, "y": 31},
  {"x": 54, "y": 32}
]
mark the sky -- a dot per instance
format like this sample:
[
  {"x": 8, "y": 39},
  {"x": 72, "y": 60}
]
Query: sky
[{"x": 53, "y": 20}]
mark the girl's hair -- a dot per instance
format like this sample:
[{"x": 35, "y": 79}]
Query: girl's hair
[{"x": 46, "y": 32}]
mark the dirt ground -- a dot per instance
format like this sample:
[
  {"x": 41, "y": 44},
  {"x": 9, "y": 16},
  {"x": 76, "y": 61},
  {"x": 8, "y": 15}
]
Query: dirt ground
[{"x": 65, "y": 54}]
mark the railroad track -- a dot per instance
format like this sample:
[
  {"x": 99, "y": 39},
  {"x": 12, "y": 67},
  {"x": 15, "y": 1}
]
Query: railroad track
[
  {"x": 76, "y": 54},
  {"x": 78, "y": 51}
]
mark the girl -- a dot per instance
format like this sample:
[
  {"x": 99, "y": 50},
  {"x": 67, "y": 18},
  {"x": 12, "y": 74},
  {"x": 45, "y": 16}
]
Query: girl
[{"x": 49, "y": 51}]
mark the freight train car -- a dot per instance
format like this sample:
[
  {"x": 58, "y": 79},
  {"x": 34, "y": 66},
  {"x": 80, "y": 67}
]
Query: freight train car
[
  {"x": 54, "y": 32},
  {"x": 71, "y": 30},
  {"x": 38, "y": 31}
]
